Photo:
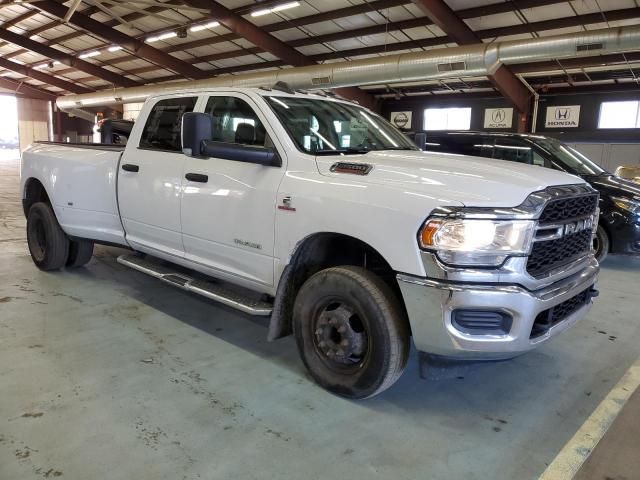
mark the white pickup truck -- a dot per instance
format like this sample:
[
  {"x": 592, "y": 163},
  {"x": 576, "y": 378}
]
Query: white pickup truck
[{"x": 319, "y": 213}]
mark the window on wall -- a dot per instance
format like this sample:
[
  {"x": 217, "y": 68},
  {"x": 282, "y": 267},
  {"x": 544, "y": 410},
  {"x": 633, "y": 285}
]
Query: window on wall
[
  {"x": 619, "y": 115},
  {"x": 447, "y": 119}
]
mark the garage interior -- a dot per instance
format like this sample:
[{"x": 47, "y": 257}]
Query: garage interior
[{"x": 107, "y": 373}]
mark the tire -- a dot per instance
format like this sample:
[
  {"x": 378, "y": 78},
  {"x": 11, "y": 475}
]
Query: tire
[
  {"x": 80, "y": 252},
  {"x": 48, "y": 244},
  {"x": 601, "y": 244},
  {"x": 351, "y": 332}
]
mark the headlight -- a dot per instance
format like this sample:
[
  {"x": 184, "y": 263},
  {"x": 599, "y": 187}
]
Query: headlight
[
  {"x": 629, "y": 204},
  {"x": 475, "y": 242}
]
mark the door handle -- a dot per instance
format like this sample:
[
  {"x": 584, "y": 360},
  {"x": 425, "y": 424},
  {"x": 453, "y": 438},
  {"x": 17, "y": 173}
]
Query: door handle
[
  {"x": 129, "y": 167},
  {"x": 197, "y": 177}
]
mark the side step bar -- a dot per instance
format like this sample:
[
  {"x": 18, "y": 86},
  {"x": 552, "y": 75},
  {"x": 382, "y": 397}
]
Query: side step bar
[{"x": 211, "y": 290}]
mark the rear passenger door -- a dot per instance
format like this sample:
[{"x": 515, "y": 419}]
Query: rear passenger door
[
  {"x": 150, "y": 178},
  {"x": 228, "y": 212}
]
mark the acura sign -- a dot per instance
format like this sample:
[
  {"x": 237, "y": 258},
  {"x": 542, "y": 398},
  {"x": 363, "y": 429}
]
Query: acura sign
[
  {"x": 566, "y": 116},
  {"x": 498, "y": 117}
]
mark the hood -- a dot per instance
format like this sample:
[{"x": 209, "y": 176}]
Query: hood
[
  {"x": 472, "y": 181},
  {"x": 614, "y": 185}
]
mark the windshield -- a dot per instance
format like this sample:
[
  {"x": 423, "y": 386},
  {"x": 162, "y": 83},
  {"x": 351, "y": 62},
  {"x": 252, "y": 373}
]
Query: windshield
[
  {"x": 568, "y": 159},
  {"x": 324, "y": 127}
]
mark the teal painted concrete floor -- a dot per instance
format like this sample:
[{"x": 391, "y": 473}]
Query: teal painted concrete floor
[{"x": 108, "y": 374}]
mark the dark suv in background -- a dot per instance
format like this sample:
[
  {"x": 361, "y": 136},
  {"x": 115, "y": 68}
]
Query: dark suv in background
[{"x": 619, "y": 225}]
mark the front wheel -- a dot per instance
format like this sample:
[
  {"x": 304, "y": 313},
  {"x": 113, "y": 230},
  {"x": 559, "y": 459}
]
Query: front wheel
[
  {"x": 601, "y": 244},
  {"x": 351, "y": 332}
]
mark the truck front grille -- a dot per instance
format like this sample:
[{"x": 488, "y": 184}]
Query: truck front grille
[
  {"x": 548, "y": 318},
  {"x": 565, "y": 209},
  {"x": 546, "y": 256},
  {"x": 550, "y": 254}
]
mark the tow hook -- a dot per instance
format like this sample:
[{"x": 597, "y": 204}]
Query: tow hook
[{"x": 593, "y": 292}]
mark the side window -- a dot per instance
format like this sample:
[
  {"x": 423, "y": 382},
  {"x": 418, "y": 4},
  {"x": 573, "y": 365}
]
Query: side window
[
  {"x": 512, "y": 150},
  {"x": 469, "y": 145},
  {"x": 162, "y": 130},
  {"x": 538, "y": 159},
  {"x": 234, "y": 121}
]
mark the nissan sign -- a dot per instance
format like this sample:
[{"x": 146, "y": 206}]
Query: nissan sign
[
  {"x": 565, "y": 116},
  {"x": 401, "y": 119}
]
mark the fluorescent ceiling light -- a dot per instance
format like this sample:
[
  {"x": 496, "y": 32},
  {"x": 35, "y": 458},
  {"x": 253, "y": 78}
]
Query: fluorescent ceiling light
[
  {"x": 162, "y": 36},
  {"x": 285, "y": 6},
  {"x": 95, "y": 53},
  {"x": 114, "y": 48},
  {"x": 199, "y": 28},
  {"x": 279, "y": 8}
]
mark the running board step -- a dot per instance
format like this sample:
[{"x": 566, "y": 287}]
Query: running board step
[{"x": 211, "y": 290}]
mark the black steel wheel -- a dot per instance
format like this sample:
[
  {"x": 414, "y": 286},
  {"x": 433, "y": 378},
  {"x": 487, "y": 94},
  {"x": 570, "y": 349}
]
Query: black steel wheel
[
  {"x": 48, "y": 244},
  {"x": 351, "y": 332},
  {"x": 601, "y": 244},
  {"x": 80, "y": 252}
]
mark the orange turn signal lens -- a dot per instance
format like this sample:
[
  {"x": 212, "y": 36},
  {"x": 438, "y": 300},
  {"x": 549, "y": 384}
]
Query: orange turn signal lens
[{"x": 428, "y": 232}]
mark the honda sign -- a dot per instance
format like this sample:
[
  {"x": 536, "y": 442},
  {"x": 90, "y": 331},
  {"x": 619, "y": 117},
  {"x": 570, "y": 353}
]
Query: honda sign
[{"x": 566, "y": 116}]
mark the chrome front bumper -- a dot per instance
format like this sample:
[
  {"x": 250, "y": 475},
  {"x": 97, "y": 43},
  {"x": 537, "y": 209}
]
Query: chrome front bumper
[{"x": 430, "y": 303}]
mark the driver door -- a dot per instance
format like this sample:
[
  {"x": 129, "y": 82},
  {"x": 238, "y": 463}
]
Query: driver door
[{"x": 228, "y": 207}]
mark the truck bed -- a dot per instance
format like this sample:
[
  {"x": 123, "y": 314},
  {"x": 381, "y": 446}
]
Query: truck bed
[{"x": 80, "y": 179}]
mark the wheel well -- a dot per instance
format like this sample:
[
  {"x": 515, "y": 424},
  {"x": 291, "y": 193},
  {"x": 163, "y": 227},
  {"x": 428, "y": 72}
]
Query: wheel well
[
  {"x": 318, "y": 252},
  {"x": 34, "y": 192}
]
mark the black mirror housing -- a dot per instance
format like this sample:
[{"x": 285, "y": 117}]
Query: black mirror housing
[
  {"x": 241, "y": 153},
  {"x": 420, "y": 140},
  {"x": 196, "y": 129}
]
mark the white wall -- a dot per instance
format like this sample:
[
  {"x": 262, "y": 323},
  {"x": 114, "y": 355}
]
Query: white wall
[
  {"x": 610, "y": 155},
  {"x": 130, "y": 111}
]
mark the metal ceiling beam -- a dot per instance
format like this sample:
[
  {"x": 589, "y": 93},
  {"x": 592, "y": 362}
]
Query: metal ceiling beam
[
  {"x": 26, "y": 90},
  {"x": 66, "y": 59},
  {"x": 326, "y": 16},
  {"x": 503, "y": 79},
  {"x": 72, "y": 8},
  {"x": 17, "y": 20},
  {"x": 600, "y": 61},
  {"x": 360, "y": 32},
  {"x": 240, "y": 26},
  {"x": 545, "y": 25},
  {"x": 137, "y": 47},
  {"x": 372, "y": 6},
  {"x": 42, "y": 77}
]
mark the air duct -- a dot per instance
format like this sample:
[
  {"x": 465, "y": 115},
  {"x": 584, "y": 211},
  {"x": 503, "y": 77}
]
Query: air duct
[{"x": 465, "y": 61}]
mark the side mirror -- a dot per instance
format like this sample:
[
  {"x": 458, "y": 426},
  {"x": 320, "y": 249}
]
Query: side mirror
[
  {"x": 241, "y": 153},
  {"x": 420, "y": 140},
  {"x": 196, "y": 128}
]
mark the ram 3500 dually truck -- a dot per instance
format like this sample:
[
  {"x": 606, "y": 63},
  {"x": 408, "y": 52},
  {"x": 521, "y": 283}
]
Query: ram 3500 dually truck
[{"x": 319, "y": 213}]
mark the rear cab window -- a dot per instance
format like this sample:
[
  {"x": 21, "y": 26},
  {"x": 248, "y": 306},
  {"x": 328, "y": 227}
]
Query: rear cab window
[{"x": 162, "y": 128}]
